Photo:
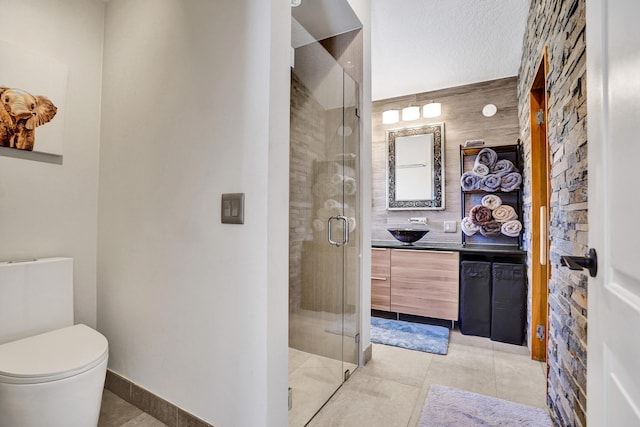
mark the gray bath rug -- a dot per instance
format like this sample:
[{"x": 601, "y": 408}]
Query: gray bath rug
[{"x": 451, "y": 407}]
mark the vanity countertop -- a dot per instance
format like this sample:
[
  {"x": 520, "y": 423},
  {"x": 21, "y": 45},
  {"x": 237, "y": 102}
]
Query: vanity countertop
[{"x": 456, "y": 247}]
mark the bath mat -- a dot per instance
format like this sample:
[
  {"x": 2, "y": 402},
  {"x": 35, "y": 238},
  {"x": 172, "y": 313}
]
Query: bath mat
[
  {"x": 414, "y": 336},
  {"x": 451, "y": 407}
]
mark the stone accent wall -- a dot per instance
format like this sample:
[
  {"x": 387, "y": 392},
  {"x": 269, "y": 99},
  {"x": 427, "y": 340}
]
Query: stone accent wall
[
  {"x": 463, "y": 120},
  {"x": 560, "y": 25}
]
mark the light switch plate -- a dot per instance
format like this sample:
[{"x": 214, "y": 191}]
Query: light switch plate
[
  {"x": 232, "y": 208},
  {"x": 449, "y": 226}
]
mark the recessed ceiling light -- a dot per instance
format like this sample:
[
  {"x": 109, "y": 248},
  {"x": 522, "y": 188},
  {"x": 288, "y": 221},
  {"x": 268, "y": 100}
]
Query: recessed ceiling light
[{"x": 489, "y": 110}]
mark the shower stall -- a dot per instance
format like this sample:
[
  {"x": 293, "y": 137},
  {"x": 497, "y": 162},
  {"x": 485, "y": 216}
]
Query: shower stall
[{"x": 324, "y": 242}]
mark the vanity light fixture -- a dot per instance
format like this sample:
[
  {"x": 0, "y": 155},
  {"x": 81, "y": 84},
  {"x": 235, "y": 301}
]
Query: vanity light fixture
[
  {"x": 390, "y": 117},
  {"x": 431, "y": 110},
  {"x": 410, "y": 113}
]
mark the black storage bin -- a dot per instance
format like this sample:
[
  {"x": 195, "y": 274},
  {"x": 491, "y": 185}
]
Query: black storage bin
[
  {"x": 475, "y": 298},
  {"x": 508, "y": 299}
]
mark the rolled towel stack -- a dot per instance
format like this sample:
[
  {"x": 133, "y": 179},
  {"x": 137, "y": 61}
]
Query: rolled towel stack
[
  {"x": 490, "y": 183},
  {"x": 487, "y": 157},
  {"x": 470, "y": 181},
  {"x": 337, "y": 178},
  {"x": 323, "y": 190},
  {"x": 491, "y": 201},
  {"x": 332, "y": 204},
  {"x": 468, "y": 227},
  {"x": 503, "y": 167},
  {"x": 511, "y": 181},
  {"x": 338, "y": 168},
  {"x": 480, "y": 169},
  {"x": 480, "y": 215},
  {"x": 511, "y": 228},
  {"x": 349, "y": 186},
  {"x": 504, "y": 213},
  {"x": 491, "y": 229},
  {"x": 317, "y": 224}
]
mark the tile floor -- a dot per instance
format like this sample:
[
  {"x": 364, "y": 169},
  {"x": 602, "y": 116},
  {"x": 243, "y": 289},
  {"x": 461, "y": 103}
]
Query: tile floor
[
  {"x": 116, "y": 412},
  {"x": 391, "y": 389}
]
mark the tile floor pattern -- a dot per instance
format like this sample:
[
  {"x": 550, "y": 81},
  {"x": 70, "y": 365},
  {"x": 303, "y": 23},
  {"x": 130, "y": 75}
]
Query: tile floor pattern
[
  {"x": 391, "y": 389},
  {"x": 117, "y": 412}
]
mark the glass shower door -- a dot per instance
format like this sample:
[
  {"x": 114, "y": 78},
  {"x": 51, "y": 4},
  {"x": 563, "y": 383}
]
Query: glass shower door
[
  {"x": 350, "y": 155},
  {"x": 324, "y": 252}
]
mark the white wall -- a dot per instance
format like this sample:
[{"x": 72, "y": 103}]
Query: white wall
[
  {"x": 195, "y": 310},
  {"x": 51, "y": 209}
]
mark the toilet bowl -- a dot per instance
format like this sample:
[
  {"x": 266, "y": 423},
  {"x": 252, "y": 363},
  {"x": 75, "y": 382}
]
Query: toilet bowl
[
  {"x": 52, "y": 372},
  {"x": 53, "y": 379}
]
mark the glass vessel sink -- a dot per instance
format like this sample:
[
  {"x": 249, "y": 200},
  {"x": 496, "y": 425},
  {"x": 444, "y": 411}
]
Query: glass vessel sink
[{"x": 407, "y": 235}]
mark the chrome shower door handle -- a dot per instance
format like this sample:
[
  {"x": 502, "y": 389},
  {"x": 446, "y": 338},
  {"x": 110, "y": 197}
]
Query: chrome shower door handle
[{"x": 345, "y": 231}]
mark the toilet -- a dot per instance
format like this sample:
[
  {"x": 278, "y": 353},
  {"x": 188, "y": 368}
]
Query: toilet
[{"x": 52, "y": 372}]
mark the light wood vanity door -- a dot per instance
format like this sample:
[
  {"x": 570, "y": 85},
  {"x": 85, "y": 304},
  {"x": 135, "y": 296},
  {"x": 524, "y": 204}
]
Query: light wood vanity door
[
  {"x": 380, "y": 279},
  {"x": 425, "y": 283}
]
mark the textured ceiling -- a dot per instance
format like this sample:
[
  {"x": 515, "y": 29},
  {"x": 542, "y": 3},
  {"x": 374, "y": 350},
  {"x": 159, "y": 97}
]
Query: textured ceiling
[{"x": 424, "y": 45}]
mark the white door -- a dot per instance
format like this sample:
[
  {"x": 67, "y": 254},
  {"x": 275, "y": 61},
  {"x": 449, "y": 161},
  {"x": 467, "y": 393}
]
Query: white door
[{"x": 613, "y": 93}]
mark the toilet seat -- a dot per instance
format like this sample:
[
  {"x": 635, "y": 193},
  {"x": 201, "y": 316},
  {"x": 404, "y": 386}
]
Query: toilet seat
[{"x": 52, "y": 356}]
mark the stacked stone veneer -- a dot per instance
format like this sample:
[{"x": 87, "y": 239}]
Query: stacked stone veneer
[{"x": 560, "y": 25}]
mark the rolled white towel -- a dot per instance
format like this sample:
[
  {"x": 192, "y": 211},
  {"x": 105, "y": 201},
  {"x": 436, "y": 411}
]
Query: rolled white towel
[
  {"x": 468, "y": 227},
  {"x": 317, "y": 224},
  {"x": 491, "y": 201},
  {"x": 332, "y": 204},
  {"x": 504, "y": 213},
  {"x": 480, "y": 169},
  {"x": 511, "y": 228},
  {"x": 349, "y": 186},
  {"x": 337, "y": 178},
  {"x": 352, "y": 224}
]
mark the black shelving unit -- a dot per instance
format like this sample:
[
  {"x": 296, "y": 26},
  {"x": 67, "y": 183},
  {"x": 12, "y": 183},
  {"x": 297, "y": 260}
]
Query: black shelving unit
[{"x": 469, "y": 199}]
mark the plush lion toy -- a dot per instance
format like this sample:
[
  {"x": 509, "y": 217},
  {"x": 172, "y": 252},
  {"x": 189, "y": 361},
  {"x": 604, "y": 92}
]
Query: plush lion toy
[{"x": 20, "y": 114}]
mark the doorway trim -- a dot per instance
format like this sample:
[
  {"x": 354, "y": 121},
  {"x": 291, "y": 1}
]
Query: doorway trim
[{"x": 540, "y": 204}]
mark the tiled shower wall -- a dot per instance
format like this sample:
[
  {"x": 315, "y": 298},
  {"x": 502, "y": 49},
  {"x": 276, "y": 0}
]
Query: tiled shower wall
[
  {"x": 560, "y": 25},
  {"x": 307, "y": 137}
]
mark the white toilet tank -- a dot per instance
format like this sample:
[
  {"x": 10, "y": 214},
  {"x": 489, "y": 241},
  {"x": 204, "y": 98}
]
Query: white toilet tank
[{"x": 35, "y": 297}]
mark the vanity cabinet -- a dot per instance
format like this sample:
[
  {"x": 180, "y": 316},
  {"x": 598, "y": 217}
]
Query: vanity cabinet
[
  {"x": 425, "y": 283},
  {"x": 381, "y": 279},
  {"x": 418, "y": 282}
]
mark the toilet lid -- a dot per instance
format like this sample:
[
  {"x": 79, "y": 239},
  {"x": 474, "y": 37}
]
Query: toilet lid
[{"x": 52, "y": 356}]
